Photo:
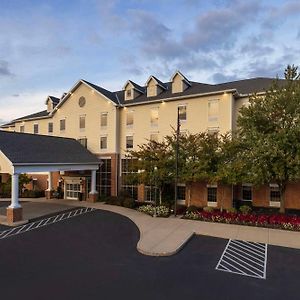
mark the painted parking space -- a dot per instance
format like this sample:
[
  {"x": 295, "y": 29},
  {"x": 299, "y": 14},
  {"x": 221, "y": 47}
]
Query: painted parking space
[
  {"x": 244, "y": 258},
  {"x": 44, "y": 222}
]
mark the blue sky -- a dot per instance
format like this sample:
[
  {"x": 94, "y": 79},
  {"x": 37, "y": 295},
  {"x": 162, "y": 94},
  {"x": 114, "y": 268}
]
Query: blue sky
[{"x": 46, "y": 46}]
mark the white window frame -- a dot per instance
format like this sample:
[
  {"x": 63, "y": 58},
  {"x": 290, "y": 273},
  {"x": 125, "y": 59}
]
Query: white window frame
[
  {"x": 273, "y": 203},
  {"x": 103, "y": 149},
  {"x": 84, "y": 118},
  {"x": 214, "y": 118},
  {"x": 247, "y": 185},
  {"x": 211, "y": 203},
  {"x": 104, "y": 114},
  {"x": 178, "y": 107},
  {"x": 130, "y": 135},
  {"x": 153, "y": 125},
  {"x": 127, "y": 113}
]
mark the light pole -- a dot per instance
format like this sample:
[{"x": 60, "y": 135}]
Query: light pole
[
  {"x": 155, "y": 188},
  {"x": 176, "y": 161}
]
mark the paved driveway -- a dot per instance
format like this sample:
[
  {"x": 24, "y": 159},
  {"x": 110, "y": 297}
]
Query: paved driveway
[{"x": 94, "y": 256}]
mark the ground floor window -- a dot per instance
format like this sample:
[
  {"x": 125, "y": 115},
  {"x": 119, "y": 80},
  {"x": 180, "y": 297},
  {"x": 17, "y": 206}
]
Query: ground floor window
[
  {"x": 181, "y": 192},
  {"x": 247, "y": 192},
  {"x": 128, "y": 168},
  {"x": 104, "y": 178},
  {"x": 274, "y": 193},
  {"x": 211, "y": 193},
  {"x": 151, "y": 193},
  {"x": 72, "y": 190}
]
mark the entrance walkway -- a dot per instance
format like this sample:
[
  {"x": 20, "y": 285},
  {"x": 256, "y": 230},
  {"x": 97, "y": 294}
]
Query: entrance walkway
[{"x": 166, "y": 236}]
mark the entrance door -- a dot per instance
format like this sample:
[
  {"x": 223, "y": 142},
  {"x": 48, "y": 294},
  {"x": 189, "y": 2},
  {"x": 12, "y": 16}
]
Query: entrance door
[{"x": 72, "y": 191}]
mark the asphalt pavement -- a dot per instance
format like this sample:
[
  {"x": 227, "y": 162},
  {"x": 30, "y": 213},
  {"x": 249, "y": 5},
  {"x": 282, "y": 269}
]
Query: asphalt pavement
[{"x": 94, "y": 256}]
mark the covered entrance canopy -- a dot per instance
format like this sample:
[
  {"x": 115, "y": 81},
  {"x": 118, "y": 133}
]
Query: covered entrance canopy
[{"x": 26, "y": 153}]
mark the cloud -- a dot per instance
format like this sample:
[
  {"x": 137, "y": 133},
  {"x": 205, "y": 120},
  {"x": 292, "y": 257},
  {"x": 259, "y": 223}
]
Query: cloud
[
  {"x": 4, "y": 68},
  {"x": 221, "y": 77},
  {"x": 154, "y": 37},
  {"x": 220, "y": 28},
  {"x": 255, "y": 46}
]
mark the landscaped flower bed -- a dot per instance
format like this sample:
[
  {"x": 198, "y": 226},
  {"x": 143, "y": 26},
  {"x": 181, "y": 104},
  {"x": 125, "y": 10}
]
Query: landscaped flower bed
[
  {"x": 250, "y": 219},
  {"x": 161, "y": 211}
]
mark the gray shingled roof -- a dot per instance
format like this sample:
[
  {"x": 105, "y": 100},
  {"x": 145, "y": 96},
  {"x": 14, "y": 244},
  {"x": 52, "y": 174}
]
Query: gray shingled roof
[
  {"x": 41, "y": 149},
  {"x": 55, "y": 100},
  {"x": 106, "y": 93}
]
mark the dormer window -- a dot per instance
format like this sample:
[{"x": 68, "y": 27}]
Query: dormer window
[
  {"x": 51, "y": 102},
  {"x": 154, "y": 86},
  {"x": 132, "y": 90},
  {"x": 179, "y": 83},
  {"x": 128, "y": 93}
]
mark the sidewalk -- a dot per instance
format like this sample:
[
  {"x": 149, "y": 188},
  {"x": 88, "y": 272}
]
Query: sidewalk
[{"x": 166, "y": 236}]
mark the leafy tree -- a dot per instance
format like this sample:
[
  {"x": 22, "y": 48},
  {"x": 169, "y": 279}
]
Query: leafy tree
[
  {"x": 154, "y": 165},
  {"x": 269, "y": 129}
]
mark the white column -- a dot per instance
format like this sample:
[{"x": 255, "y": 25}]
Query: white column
[
  {"x": 49, "y": 182},
  {"x": 93, "y": 183},
  {"x": 15, "y": 191}
]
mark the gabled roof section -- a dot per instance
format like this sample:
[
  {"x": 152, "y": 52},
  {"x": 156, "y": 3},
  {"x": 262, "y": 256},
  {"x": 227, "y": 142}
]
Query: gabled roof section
[
  {"x": 158, "y": 82},
  {"x": 24, "y": 148},
  {"x": 54, "y": 100},
  {"x": 182, "y": 76},
  {"x": 135, "y": 86}
]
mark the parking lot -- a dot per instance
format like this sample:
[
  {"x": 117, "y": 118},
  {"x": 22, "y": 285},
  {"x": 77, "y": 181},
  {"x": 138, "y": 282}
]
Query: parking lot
[{"x": 93, "y": 256}]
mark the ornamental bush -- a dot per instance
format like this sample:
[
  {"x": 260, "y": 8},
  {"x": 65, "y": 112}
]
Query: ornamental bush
[
  {"x": 250, "y": 219},
  {"x": 245, "y": 209},
  {"x": 161, "y": 211}
]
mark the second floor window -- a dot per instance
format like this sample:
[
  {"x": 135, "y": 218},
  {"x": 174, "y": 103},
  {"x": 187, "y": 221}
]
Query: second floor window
[
  {"x": 62, "y": 124},
  {"x": 82, "y": 122},
  {"x": 154, "y": 117},
  {"x": 129, "y": 119},
  {"x": 182, "y": 112},
  {"x": 103, "y": 142},
  {"x": 103, "y": 120},
  {"x": 50, "y": 127},
  {"x": 129, "y": 142},
  {"x": 154, "y": 137},
  {"x": 213, "y": 110},
  {"x": 36, "y": 128}
]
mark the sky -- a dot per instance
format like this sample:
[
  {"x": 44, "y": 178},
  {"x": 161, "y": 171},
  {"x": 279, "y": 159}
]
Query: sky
[{"x": 47, "y": 46}]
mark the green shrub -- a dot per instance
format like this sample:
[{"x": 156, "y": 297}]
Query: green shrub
[
  {"x": 208, "y": 209},
  {"x": 129, "y": 203},
  {"x": 113, "y": 200},
  {"x": 245, "y": 209},
  {"x": 33, "y": 194},
  {"x": 232, "y": 210}
]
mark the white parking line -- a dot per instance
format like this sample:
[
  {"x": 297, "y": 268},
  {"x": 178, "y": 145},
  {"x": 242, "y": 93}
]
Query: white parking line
[
  {"x": 244, "y": 258},
  {"x": 44, "y": 222}
]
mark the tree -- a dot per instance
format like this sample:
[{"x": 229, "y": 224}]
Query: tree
[
  {"x": 154, "y": 165},
  {"x": 269, "y": 129}
]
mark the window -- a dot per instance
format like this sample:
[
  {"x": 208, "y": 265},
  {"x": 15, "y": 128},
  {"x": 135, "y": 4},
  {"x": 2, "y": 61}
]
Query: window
[
  {"x": 62, "y": 124},
  {"x": 72, "y": 190},
  {"x": 129, "y": 119},
  {"x": 213, "y": 110},
  {"x": 181, "y": 192},
  {"x": 151, "y": 193},
  {"x": 83, "y": 141},
  {"x": 154, "y": 137},
  {"x": 22, "y": 128},
  {"x": 247, "y": 192},
  {"x": 128, "y": 93},
  {"x": 35, "y": 128},
  {"x": 274, "y": 193},
  {"x": 129, "y": 142},
  {"x": 103, "y": 142},
  {"x": 154, "y": 117},
  {"x": 82, "y": 122},
  {"x": 104, "y": 119},
  {"x": 103, "y": 183},
  {"x": 182, "y": 112},
  {"x": 211, "y": 193},
  {"x": 128, "y": 166},
  {"x": 50, "y": 127}
]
